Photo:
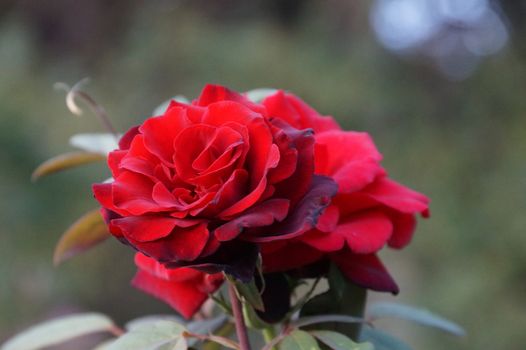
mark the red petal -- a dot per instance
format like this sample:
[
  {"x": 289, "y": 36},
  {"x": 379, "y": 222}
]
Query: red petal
[
  {"x": 305, "y": 214},
  {"x": 291, "y": 256},
  {"x": 297, "y": 113},
  {"x": 216, "y": 93},
  {"x": 403, "y": 227},
  {"x": 398, "y": 197},
  {"x": 263, "y": 214},
  {"x": 183, "y": 244},
  {"x": 350, "y": 158},
  {"x": 133, "y": 192},
  {"x": 126, "y": 139},
  {"x": 160, "y": 132},
  {"x": 365, "y": 232},
  {"x": 185, "y": 297},
  {"x": 145, "y": 228},
  {"x": 328, "y": 219},
  {"x": 366, "y": 271},
  {"x": 156, "y": 269}
]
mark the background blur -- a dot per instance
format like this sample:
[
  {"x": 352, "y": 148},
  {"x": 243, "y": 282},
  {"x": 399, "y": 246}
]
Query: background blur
[{"x": 440, "y": 85}]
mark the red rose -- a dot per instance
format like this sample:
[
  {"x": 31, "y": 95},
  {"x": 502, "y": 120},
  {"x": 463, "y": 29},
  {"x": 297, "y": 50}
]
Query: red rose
[
  {"x": 184, "y": 289},
  {"x": 199, "y": 184},
  {"x": 368, "y": 212}
]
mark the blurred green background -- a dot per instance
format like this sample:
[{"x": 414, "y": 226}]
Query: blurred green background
[{"x": 443, "y": 98}]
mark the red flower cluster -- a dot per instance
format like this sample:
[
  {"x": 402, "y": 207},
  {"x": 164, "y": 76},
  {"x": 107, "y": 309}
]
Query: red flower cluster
[{"x": 207, "y": 186}]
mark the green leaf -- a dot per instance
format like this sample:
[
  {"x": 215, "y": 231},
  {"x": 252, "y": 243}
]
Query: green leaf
[
  {"x": 250, "y": 292},
  {"x": 147, "y": 321},
  {"x": 382, "y": 340},
  {"x": 58, "y": 331},
  {"x": 252, "y": 319},
  {"x": 258, "y": 95},
  {"x": 65, "y": 161},
  {"x": 338, "y": 341},
  {"x": 335, "y": 318},
  {"x": 88, "y": 231},
  {"x": 417, "y": 315},
  {"x": 299, "y": 340},
  {"x": 155, "y": 335},
  {"x": 343, "y": 298},
  {"x": 205, "y": 326},
  {"x": 101, "y": 143}
]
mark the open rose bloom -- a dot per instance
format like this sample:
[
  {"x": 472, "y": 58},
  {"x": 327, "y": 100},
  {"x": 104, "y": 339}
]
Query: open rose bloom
[{"x": 207, "y": 187}]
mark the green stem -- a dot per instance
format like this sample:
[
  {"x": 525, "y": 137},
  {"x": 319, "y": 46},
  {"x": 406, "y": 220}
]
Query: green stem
[{"x": 269, "y": 334}]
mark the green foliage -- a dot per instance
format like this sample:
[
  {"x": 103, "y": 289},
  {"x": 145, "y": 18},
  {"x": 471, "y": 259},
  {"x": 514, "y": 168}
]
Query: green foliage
[
  {"x": 410, "y": 313},
  {"x": 299, "y": 340},
  {"x": 65, "y": 161},
  {"x": 88, "y": 231},
  {"x": 338, "y": 341},
  {"x": 258, "y": 95},
  {"x": 58, "y": 331},
  {"x": 343, "y": 298},
  {"x": 155, "y": 335},
  {"x": 382, "y": 340},
  {"x": 250, "y": 292}
]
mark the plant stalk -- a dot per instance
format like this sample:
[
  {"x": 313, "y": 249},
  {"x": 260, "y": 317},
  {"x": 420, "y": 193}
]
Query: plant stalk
[
  {"x": 241, "y": 328},
  {"x": 269, "y": 334}
]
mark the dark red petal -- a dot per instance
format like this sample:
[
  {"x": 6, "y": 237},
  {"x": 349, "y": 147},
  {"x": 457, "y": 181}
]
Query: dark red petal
[
  {"x": 211, "y": 282},
  {"x": 257, "y": 192},
  {"x": 160, "y": 132},
  {"x": 297, "y": 184},
  {"x": 231, "y": 192},
  {"x": 366, "y": 271},
  {"x": 145, "y": 228},
  {"x": 185, "y": 297},
  {"x": 263, "y": 214},
  {"x": 126, "y": 139},
  {"x": 291, "y": 256},
  {"x": 156, "y": 269},
  {"x": 304, "y": 216},
  {"x": 183, "y": 244},
  {"x": 235, "y": 258}
]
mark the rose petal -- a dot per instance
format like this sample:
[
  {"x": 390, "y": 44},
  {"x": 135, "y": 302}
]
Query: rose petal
[
  {"x": 297, "y": 113},
  {"x": 304, "y": 216},
  {"x": 160, "y": 132},
  {"x": 291, "y": 256},
  {"x": 185, "y": 297},
  {"x": 261, "y": 215},
  {"x": 156, "y": 269},
  {"x": 216, "y": 93},
  {"x": 145, "y": 228},
  {"x": 176, "y": 247},
  {"x": 350, "y": 158},
  {"x": 403, "y": 227},
  {"x": 366, "y": 271},
  {"x": 398, "y": 197}
]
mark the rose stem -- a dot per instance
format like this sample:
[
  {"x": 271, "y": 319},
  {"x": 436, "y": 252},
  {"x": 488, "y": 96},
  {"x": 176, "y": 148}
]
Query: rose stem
[{"x": 241, "y": 329}]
